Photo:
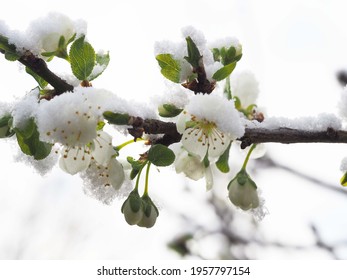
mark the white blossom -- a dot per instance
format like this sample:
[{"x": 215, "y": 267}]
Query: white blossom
[{"x": 208, "y": 124}]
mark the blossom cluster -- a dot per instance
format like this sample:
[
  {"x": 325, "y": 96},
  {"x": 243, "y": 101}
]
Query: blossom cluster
[{"x": 74, "y": 125}]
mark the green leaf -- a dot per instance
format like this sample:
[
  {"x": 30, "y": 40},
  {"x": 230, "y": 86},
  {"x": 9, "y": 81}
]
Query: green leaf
[
  {"x": 82, "y": 59},
  {"x": 194, "y": 55},
  {"x": 161, "y": 155},
  {"x": 116, "y": 118},
  {"x": 5, "y": 126},
  {"x": 8, "y": 49},
  {"x": 169, "y": 111},
  {"x": 216, "y": 54},
  {"x": 29, "y": 141},
  {"x": 170, "y": 68},
  {"x": 42, "y": 83},
  {"x": 223, "y": 161},
  {"x": 224, "y": 72},
  {"x": 102, "y": 61}
]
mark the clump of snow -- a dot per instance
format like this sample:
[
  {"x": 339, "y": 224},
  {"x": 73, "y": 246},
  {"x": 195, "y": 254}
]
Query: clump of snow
[
  {"x": 43, "y": 34},
  {"x": 25, "y": 109},
  {"x": 320, "y": 123},
  {"x": 5, "y": 109},
  {"x": 226, "y": 42},
  {"x": 219, "y": 110},
  {"x": 42, "y": 167},
  {"x": 245, "y": 86},
  {"x": 175, "y": 95},
  {"x": 196, "y": 35}
]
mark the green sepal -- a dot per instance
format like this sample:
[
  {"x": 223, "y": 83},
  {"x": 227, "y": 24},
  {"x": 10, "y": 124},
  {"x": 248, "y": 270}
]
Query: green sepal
[
  {"x": 29, "y": 141},
  {"x": 101, "y": 60},
  {"x": 82, "y": 58},
  {"x": 8, "y": 49},
  {"x": 41, "y": 82},
  {"x": 136, "y": 166},
  {"x": 135, "y": 201},
  {"x": 148, "y": 205},
  {"x": 169, "y": 111},
  {"x": 223, "y": 161},
  {"x": 194, "y": 55},
  {"x": 161, "y": 155},
  {"x": 224, "y": 72},
  {"x": 343, "y": 180},
  {"x": 116, "y": 118},
  {"x": 170, "y": 68},
  {"x": 227, "y": 55}
]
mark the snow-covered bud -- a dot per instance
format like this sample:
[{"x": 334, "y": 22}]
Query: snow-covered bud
[
  {"x": 150, "y": 213},
  {"x": 243, "y": 191},
  {"x": 132, "y": 208}
]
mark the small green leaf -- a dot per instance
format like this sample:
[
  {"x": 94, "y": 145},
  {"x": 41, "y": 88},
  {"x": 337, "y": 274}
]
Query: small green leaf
[
  {"x": 170, "y": 68},
  {"x": 228, "y": 56},
  {"x": 169, "y": 111},
  {"x": 224, "y": 72},
  {"x": 102, "y": 61},
  {"x": 161, "y": 155},
  {"x": 29, "y": 141},
  {"x": 223, "y": 161},
  {"x": 42, "y": 83},
  {"x": 194, "y": 55},
  {"x": 136, "y": 165},
  {"x": 216, "y": 54},
  {"x": 82, "y": 58},
  {"x": 116, "y": 118}
]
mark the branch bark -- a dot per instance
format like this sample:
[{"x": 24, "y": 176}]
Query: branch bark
[{"x": 39, "y": 66}]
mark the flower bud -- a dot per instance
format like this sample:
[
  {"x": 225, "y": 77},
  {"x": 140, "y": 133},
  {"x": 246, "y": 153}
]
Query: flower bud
[
  {"x": 243, "y": 191},
  {"x": 132, "y": 208},
  {"x": 150, "y": 213}
]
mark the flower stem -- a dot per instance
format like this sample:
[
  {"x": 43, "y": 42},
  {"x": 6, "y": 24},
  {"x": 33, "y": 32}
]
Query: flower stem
[
  {"x": 127, "y": 143},
  {"x": 227, "y": 89},
  {"x": 138, "y": 177},
  {"x": 247, "y": 157},
  {"x": 147, "y": 176}
]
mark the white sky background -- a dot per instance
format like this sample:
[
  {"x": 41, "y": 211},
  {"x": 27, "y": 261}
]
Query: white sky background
[{"x": 294, "y": 48}]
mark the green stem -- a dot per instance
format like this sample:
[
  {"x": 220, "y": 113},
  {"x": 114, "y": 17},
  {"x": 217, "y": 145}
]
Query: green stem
[
  {"x": 147, "y": 176},
  {"x": 247, "y": 157},
  {"x": 227, "y": 89},
  {"x": 127, "y": 143},
  {"x": 138, "y": 178}
]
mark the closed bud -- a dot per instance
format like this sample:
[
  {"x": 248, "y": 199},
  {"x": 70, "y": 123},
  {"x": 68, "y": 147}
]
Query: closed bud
[
  {"x": 132, "y": 208},
  {"x": 243, "y": 191},
  {"x": 150, "y": 213},
  {"x": 5, "y": 130}
]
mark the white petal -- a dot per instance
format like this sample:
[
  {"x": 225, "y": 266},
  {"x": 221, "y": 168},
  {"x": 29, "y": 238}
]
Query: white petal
[
  {"x": 195, "y": 143},
  {"x": 218, "y": 143},
  {"x": 74, "y": 160},
  {"x": 116, "y": 174},
  {"x": 102, "y": 149}
]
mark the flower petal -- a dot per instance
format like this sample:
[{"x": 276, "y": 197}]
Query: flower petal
[
  {"x": 195, "y": 142},
  {"x": 74, "y": 160},
  {"x": 102, "y": 149}
]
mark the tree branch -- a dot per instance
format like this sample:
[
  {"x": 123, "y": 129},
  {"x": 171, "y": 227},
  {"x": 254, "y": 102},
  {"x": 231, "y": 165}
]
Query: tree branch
[
  {"x": 289, "y": 136},
  {"x": 39, "y": 66}
]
